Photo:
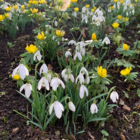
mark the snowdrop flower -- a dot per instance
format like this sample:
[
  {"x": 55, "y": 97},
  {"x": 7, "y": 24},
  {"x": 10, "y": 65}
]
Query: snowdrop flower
[
  {"x": 56, "y": 23},
  {"x": 83, "y": 89},
  {"x": 72, "y": 42},
  {"x": 43, "y": 83},
  {"x": 23, "y": 71},
  {"x": 71, "y": 106},
  {"x": 67, "y": 54},
  {"x": 43, "y": 69},
  {"x": 77, "y": 55},
  {"x": 106, "y": 41},
  {"x": 114, "y": 96},
  {"x": 93, "y": 108},
  {"x": 83, "y": 70},
  {"x": 27, "y": 88},
  {"x": 55, "y": 82},
  {"x": 66, "y": 74},
  {"x": 58, "y": 108},
  {"x": 48, "y": 77},
  {"x": 37, "y": 55},
  {"x": 81, "y": 78}
]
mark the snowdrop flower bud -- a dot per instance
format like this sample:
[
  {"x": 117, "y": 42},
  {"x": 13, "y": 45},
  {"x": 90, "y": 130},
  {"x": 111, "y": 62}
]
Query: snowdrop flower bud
[
  {"x": 43, "y": 83},
  {"x": 27, "y": 88},
  {"x": 72, "y": 42},
  {"x": 114, "y": 96},
  {"x": 37, "y": 55},
  {"x": 23, "y": 71},
  {"x": 81, "y": 78},
  {"x": 58, "y": 108},
  {"x": 43, "y": 69},
  {"x": 71, "y": 106},
  {"x": 56, "y": 23},
  {"x": 93, "y": 108},
  {"x": 83, "y": 89},
  {"x": 67, "y": 54},
  {"x": 106, "y": 41}
]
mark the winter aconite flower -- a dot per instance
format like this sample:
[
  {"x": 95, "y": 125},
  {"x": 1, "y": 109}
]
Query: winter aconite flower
[
  {"x": 101, "y": 72},
  {"x": 115, "y": 25},
  {"x": 58, "y": 108},
  {"x": 34, "y": 10},
  {"x": 8, "y": 9},
  {"x": 60, "y": 33},
  {"x": 120, "y": 17},
  {"x": 16, "y": 77},
  {"x": 2, "y": 17},
  {"x": 114, "y": 96},
  {"x": 94, "y": 37},
  {"x": 76, "y": 9},
  {"x": 125, "y": 71},
  {"x": 41, "y": 36},
  {"x": 22, "y": 7},
  {"x": 31, "y": 49},
  {"x": 93, "y": 108},
  {"x": 87, "y": 5},
  {"x": 125, "y": 47}
]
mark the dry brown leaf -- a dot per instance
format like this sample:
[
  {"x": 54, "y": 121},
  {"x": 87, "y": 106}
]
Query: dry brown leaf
[
  {"x": 50, "y": 67},
  {"x": 93, "y": 138},
  {"x": 83, "y": 33},
  {"x": 72, "y": 136},
  {"x": 109, "y": 30},
  {"x": 122, "y": 136}
]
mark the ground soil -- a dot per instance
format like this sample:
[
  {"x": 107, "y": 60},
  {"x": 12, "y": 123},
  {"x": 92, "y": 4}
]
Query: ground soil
[{"x": 122, "y": 124}]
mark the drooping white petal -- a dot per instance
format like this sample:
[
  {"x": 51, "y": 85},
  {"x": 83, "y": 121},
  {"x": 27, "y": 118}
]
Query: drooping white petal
[
  {"x": 37, "y": 55},
  {"x": 93, "y": 108},
  {"x": 15, "y": 71},
  {"x": 43, "y": 69},
  {"x": 40, "y": 84},
  {"x": 58, "y": 111},
  {"x": 27, "y": 91},
  {"x": 72, "y": 42},
  {"x": 51, "y": 108},
  {"x": 67, "y": 54},
  {"x": 114, "y": 96},
  {"x": 71, "y": 78},
  {"x": 71, "y": 106},
  {"x": 81, "y": 92},
  {"x": 22, "y": 87},
  {"x": 61, "y": 106}
]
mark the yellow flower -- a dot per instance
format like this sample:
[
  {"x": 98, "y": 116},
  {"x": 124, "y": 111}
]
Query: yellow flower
[
  {"x": 116, "y": 0},
  {"x": 34, "y": 10},
  {"x": 43, "y": 1},
  {"x": 94, "y": 37},
  {"x": 125, "y": 47},
  {"x": 73, "y": 0},
  {"x": 87, "y": 5},
  {"x": 121, "y": 1},
  {"x": 125, "y": 19},
  {"x": 41, "y": 36},
  {"x": 101, "y": 72},
  {"x": 22, "y": 7},
  {"x": 15, "y": 7},
  {"x": 31, "y": 49},
  {"x": 119, "y": 17},
  {"x": 34, "y": 2},
  {"x": 28, "y": 5},
  {"x": 112, "y": 7},
  {"x": 136, "y": 0},
  {"x": 16, "y": 77},
  {"x": 60, "y": 33},
  {"x": 2, "y": 17},
  {"x": 50, "y": 4},
  {"x": 125, "y": 71},
  {"x": 8, "y": 9},
  {"x": 1, "y": 0},
  {"x": 6, "y": 15},
  {"x": 69, "y": 6},
  {"x": 93, "y": 9},
  {"x": 76, "y": 9},
  {"x": 115, "y": 25}
]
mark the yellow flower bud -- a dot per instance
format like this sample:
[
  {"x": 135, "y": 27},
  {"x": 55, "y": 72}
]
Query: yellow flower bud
[
  {"x": 125, "y": 47},
  {"x": 16, "y": 77},
  {"x": 76, "y": 9},
  {"x": 101, "y": 72},
  {"x": 94, "y": 37}
]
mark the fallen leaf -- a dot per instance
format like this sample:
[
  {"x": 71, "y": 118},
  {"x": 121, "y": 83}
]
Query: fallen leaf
[{"x": 91, "y": 136}]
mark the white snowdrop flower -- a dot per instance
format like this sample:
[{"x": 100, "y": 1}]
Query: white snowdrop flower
[
  {"x": 71, "y": 106},
  {"x": 43, "y": 69},
  {"x": 72, "y": 42},
  {"x": 84, "y": 70},
  {"x": 43, "y": 83},
  {"x": 37, "y": 55},
  {"x": 23, "y": 71},
  {"x": 5, "y": 5},
  {"x": 106, "y": 41},
  {"x": 87, "y": 42},
  {"x": 10, "y": 15},
  {"x": 93, "y": 108},
  {"x": 77, "y": 55},
  {"x": 27, "y": 88},
  {"x": 53, "y": 37},
  {"x": 127, "y": 14},
  {"x": 81, "y": 79},
  {"x": 114, "y": 96},
  {"x": 56, "y": 23},
  {"x": 83, "y": 89},
  {"x": 81, "y": 44},
  {"x": 63, "y": 38},
  {"x": 74, "y": 14},
  {"x": 67, "y": 54},
  {"x": 109, "y": 10},
  {"x": 58, "y": 43},
  {"x": 66, "y": 74},
  {"x": 58, "y": 108},
  {"x": 55, "y": 82},
  {"x": 133, "y": 11}
]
